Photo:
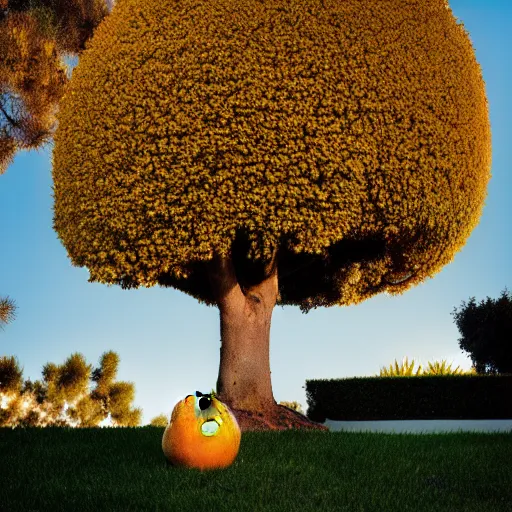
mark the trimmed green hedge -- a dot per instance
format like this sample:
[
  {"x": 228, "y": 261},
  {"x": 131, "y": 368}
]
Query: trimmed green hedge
[{"x": 409, "y": 398}]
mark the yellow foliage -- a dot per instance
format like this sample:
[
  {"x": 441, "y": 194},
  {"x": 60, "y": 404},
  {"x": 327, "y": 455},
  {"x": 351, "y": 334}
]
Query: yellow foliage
[
  {"x": 435, "y": 368},
  {"x": 49, "y": 48},
  {"x": 7, "y": 152},
  {"x": 406, "y": 369},
  {"x": 354, "y": 133},
  {"x": 159, "y": 421},
  {"x": 295, "y": 406},
  {"x": 32, "y": 82}
]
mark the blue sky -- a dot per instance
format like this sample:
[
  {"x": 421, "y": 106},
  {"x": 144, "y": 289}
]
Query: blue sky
[{"x": 169, "y": 343}]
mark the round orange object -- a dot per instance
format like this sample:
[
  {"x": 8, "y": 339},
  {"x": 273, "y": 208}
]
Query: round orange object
[{"x": 203, "y": 433}]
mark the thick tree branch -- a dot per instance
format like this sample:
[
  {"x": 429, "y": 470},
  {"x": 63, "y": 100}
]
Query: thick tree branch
[{"x": 223, "y": 280}]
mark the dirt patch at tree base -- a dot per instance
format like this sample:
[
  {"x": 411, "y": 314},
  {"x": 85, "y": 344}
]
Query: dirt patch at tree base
[{"x": 278, "y": 418}]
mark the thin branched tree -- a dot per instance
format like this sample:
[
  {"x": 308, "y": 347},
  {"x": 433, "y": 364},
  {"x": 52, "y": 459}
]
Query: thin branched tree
[{"x": 307, "y": 153}]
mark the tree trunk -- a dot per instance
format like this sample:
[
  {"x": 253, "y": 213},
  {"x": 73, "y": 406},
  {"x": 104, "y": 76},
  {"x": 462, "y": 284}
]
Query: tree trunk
[{"x": 244, "y": 374}]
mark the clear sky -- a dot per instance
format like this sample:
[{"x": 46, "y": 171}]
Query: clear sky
[{"x": 169, "y": 343}]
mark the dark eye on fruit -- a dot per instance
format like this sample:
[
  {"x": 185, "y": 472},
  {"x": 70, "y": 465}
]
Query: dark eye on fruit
[{"x": 204, "y": 402}]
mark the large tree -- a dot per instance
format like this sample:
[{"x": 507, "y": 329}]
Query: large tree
[
  {"x": 486, "y": 332},
  {"x": 259, "y": 153}
]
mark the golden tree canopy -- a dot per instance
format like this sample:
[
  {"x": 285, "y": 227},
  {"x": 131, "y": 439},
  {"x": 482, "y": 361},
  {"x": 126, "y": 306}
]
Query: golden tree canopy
[{"x": 351, "y": 137}]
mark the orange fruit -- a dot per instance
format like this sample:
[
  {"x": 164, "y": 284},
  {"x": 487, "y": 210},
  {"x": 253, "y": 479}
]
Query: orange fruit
[{"x": 203, "y": 433}]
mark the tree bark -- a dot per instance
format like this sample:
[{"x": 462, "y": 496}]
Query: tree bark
[{"x": 244, "y": 382}]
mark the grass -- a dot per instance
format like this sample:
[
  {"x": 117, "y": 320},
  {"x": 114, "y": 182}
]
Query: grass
[{"x": 124, "y": 469}]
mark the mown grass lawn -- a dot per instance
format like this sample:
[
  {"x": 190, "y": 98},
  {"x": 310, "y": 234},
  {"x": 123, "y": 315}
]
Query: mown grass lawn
[{"x": 123, "y": 469}]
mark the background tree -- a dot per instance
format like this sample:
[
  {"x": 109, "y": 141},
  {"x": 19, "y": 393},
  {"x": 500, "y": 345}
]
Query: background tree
[
  {"x": 11, "y": 380},
  {"x": 67, "y": 384},
  {"x": 10, "y": 375},
  {"x": 63, "y": 396},
  {"x": 485, "y": 330},
  {"x": 253, "y": 154},
  {"x": 115, "y": 398},
  {"x": 7, "y": 311},
  {"x": 35, "y": 36}
]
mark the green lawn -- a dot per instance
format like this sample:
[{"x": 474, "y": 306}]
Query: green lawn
[{"x": 124, "y": 469}]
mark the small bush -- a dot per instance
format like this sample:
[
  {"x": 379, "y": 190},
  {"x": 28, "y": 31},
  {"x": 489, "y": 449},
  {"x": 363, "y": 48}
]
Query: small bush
[{"x": 159, "y": 421}]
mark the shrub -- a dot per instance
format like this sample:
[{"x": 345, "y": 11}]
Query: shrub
[
  {"x": 406, "y": 369},
  {"x": 295, "y": 406},
  {"x": 159, "y": 421}
]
